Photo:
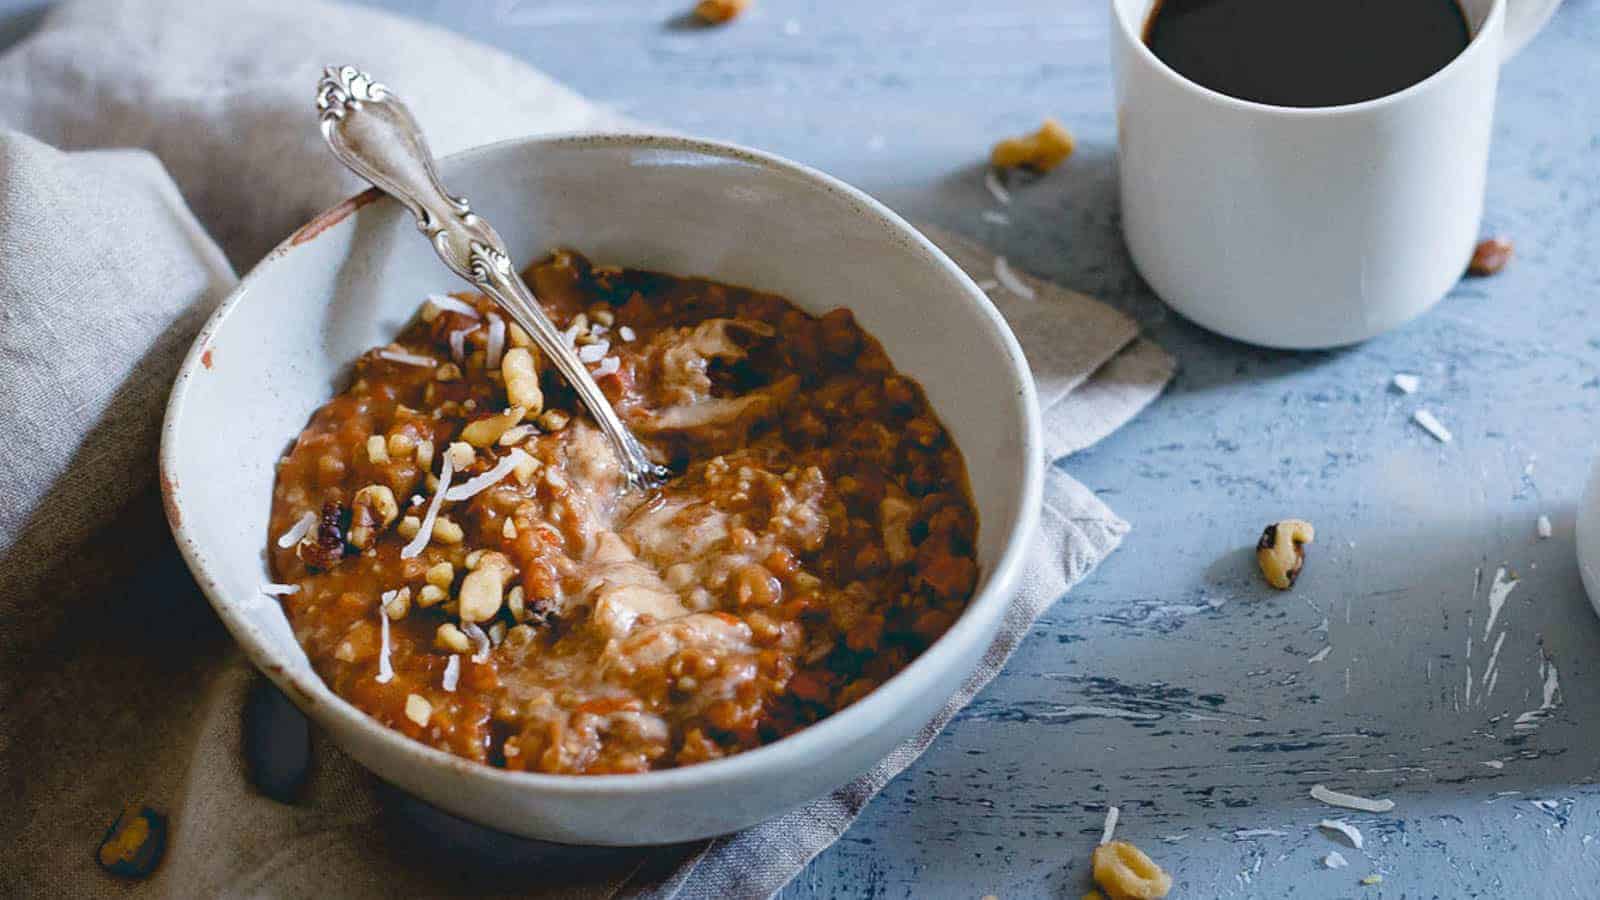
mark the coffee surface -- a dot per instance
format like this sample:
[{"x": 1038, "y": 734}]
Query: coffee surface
[{"x": 1307, "y": 52}]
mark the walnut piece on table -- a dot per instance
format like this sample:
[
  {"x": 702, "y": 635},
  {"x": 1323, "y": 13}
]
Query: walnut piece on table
[
  {"x": 1281, "y": 551},
  {"x": 716, "y": 12},
  {"x": 1041, "y": 151},
  {"x": 1124, "y": 872}
]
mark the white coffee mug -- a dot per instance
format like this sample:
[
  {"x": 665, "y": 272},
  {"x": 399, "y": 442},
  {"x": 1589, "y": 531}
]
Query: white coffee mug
[{"x": 1307, "y": 227}]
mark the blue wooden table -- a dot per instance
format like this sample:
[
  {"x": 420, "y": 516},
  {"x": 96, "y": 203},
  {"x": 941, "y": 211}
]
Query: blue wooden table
[{"x": 1172, "y": 683}]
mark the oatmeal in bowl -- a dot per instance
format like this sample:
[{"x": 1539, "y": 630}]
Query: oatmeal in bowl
[
  {"x": 467, "y": 566},
  {"x": 857, "y": 469}
]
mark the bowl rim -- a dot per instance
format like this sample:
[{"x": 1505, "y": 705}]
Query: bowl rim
[{"x": 308, "y": 691}]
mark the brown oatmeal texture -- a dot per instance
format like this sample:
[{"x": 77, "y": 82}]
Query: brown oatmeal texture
[{"x": 817, "y": 536}]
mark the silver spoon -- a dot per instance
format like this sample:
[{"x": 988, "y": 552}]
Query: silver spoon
[{"x": 373, "y": 133}]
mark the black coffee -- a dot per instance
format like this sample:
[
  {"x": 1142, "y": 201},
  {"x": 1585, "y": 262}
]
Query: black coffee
[{"x": 1307, "y": 52}]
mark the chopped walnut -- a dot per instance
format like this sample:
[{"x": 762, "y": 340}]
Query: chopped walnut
[
  {"x": 324, "y": 546},
  {"x": 418, "y": 710},
  {"x": 554, "y": 420},
  {"x": 1490, "y": 256},
  {"x": 520, "y": 370},
  {"x": 716, "y": 12},
  {"x": 484, "y": 586},
  {"x": 486, "y": 431},
  {"x": 1041, "y": 151},
  {"x": 132, "y": 846},
  {"x": 452, "y": 638},
  {"x": 1281, "y": 551},
  {"x": 373, "y": 509},
  {"x": 1126, "y": 873}
]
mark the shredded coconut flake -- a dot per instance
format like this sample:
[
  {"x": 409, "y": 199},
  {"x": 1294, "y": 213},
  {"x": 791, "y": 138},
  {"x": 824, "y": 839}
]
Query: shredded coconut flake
[
  {"x": 497, "y": 342},
  {"x": 480, "y": 641},
  {"x": 458, "y": 345},
  {"x": 279, "y": 590},
  {"x": 991, "y": 180},
  {"x": 385, "y": 669},
  {"x": 1351, "y": 833},
  {"x": 594, "y": 352},
  {"x": 1111, "y": 824},
  {"x": 1014, "y": 284},
  {"x": 627, "y": 334},
  {"x": 1321, "y": 655},
  {"x": 452, "y": 673},
  {"x": 298, "y": 530},
  {"x": 1432, "y": 425},
  {"x": 987, "y": 285},
  {"x": 1335, "y": 860},
  {"x": 1244, "y": 833},
  {"x": 1544, "y": 528},
  {"x": 480, "y": 483},
  {"x": 425, "y": 532},
  {"x": 444, "y": 301},
  {"x": 995, "y": 217},
  {"x": 407, "y": 359},
  {"x": 571, "y": 334},
  {"x": 608, "y": 366},
  {"x": 1406, "y": 383},
  {"x": 1350, "y": 801}
]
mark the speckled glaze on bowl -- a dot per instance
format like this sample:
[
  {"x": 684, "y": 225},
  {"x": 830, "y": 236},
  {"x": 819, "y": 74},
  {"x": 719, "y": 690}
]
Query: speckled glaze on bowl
[{"x": 280, "y": 345}]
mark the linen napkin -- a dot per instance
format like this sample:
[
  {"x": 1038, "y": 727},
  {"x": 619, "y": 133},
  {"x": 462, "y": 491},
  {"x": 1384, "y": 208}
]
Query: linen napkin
[{"x": 116, "y": 681}]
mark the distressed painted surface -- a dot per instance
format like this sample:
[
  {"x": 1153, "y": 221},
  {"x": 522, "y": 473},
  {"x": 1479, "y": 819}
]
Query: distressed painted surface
[{"x": 1172, "y": 683}]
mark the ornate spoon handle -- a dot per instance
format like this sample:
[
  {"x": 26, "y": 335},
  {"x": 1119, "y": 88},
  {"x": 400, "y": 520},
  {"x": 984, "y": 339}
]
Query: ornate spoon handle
[{"x": 373, "y": 133}]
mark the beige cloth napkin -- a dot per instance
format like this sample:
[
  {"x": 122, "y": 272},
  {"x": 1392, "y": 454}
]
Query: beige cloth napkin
[{"x": 116, "y": 681}]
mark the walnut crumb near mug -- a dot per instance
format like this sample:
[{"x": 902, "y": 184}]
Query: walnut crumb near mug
[{"x": 1306, "y": 226}]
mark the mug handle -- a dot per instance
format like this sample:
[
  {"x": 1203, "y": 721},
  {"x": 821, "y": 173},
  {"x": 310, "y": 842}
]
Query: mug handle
[{"x": 1524, "y": 18}]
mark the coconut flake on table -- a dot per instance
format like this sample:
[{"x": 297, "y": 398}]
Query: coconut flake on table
[
  {"x": 1009, "y": 278},
  {"x": 1111, "y": 824},
  {"x": 1247, "y": 833},
  {"x": 627, "y": 334},
  {"x": 407, "y": 359},
  {"x": 1350, "y": 832},
  {"x": 480, "y": 641},
  {"x": 452, "y": 673},
  {"x": 497, "y": 343},
  {"x": 1407, "y": 383},
  {"x": 446, "y": 302},
  {"x": 272, "y": 589},
  {"x": 1321, "y": 655},
  {"x": 991, "y": 180},
  {"x": 608, "y": 366},
  {"x": 1335, "y": 860},
  {"x": 593, "y": 353},
  {"x": 480, "y": 483},
  {"x": 988, "y": 284},
  {"x": 1429, "y": 423},
  {"x": 1322, "y": 794},
  {"x": 1544, "y": 528},
  {"x": 298, "y": 530},
  {"x": 385, "y": 668},
  {"x": 996, "y": 217},
  {"x": 425, "y": 531}
]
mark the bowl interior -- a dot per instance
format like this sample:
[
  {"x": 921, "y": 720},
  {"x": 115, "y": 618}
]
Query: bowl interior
[{"x": 281, "y": 345}]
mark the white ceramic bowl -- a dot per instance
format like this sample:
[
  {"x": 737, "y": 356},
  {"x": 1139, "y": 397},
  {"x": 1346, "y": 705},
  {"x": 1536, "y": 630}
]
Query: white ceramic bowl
[{"x": 281, "y": 343}]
